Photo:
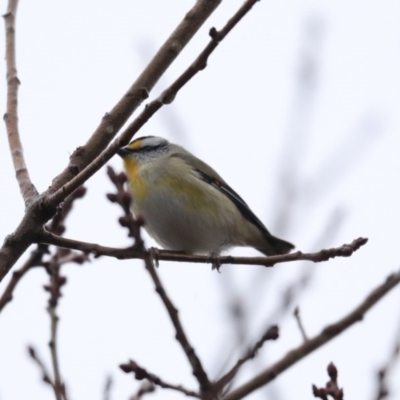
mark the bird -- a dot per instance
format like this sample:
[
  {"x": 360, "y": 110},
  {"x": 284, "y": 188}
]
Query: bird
[{"x": 187, "y": 206}]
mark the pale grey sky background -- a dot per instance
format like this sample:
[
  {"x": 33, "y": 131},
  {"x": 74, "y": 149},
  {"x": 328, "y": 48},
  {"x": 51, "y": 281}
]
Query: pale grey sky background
[{"x": 334, "y": 130}]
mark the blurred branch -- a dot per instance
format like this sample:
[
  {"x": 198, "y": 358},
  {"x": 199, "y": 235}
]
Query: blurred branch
[
  {"x": 271, "y": 334},
  {"x": 57, "y": 224},
  {"x": 332, "y": 387},
  {"x": 28, "y": 190},
  {"x": 292, "y": 291},
  {"x": 56, "y": 281},
  {"x": 140, "y": 374},
  {"x": 239, "y": 314},
  {"x": 387, "y": 368},
  {"x": 341, "y": 160},
  {"x": 345, "y": 250},
  {"x": 171, "y": 120},
  {"x": 151, "y": 108},
  {"x": 294, "y": 148},
  {"x": 107, "y": 388},
  {"x": 296, "y": 314},
  {"x": 327, "y": 334},
  {"x": 45, "y": 374},
  {"x": 34, "y": 260},
  {"x": 146, "y": 388},
  {"x": 197, "y": 368},
  {"x": 52, "y": 266},
  {"x": 124, "y": 199}
]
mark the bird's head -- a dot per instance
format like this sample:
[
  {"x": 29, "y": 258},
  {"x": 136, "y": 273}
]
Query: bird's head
[{"x": 145, "y": 149}]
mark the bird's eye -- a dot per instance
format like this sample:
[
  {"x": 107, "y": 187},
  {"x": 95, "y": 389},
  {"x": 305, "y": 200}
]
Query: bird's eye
[{"x": 146, "y": 149}]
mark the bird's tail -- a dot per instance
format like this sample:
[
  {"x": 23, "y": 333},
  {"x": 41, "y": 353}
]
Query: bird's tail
[{"x": 274, "y": 246}]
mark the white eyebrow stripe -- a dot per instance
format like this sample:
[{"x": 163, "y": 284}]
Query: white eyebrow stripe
[{"x": 153, "y": 141}]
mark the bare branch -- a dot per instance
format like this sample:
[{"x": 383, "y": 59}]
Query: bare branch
[
  {"x": 296, "y": 314},
  {"x": 56, "y": 281},
  {"x": 34, "y": 260},
  {"x": 140, "y": 374},
  {"x": 166, "y": 97},
  {"x": 56, "y": 226},
  {"x": 145, "y": 388},
  {"x": 385, "y": 371},
  {"x": 124, "y": 199},
  {"x": 327, "y": 334},
  {"x": 17, "y": 243},
  {"x": 45, "y": 374},
  {"x": 28, "y": 190},
  {"x": 345, "y": 250},
  {"x": 54, "y": 288},
  {"x": 197, "y": 368},
  {"x": 31, "y": 226},
  {"x": 107, "y": 388},
  {"x": 271, "y": 334},
  {"x": 43, "y": 209},
  {"x": 137, "y": 93}
]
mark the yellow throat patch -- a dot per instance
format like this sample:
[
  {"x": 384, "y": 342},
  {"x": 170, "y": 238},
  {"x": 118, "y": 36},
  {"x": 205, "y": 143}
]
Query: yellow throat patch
[{"x": 137, "y": 185}]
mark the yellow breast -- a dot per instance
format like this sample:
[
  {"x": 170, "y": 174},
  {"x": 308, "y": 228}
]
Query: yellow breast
[{"x": 136, "y": 183}]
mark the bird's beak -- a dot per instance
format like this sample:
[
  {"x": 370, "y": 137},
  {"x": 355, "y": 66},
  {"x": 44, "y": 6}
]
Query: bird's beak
[{"x": 122, "y": 152}]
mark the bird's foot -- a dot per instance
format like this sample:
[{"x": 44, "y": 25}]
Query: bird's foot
[{"x": 214, "y": 259}]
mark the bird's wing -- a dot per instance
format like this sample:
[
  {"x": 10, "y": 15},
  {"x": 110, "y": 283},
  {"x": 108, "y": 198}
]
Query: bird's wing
[
  {"x": 210, "y": 176},
  {"x": 244, "y": 209}
]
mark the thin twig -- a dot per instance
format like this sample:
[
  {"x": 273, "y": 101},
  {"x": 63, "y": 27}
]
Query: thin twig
[
  {"x": 56, "y": 226},
  {"x": 45, "y": 374},
  {"x": 385, "y": 371},
  {"x": 296, "y": 314},
  {"x": 140, "y": 374},
  {"x": 107, "y": 388},
  {"x": 298, "y": 285},
  {"x": 58, "y": 383},
  {"x": 34, "y": 260},
  {"x": 289, "y": 183},
  {"x": 151, "y": 108},
  {"x": 345, "y": 250},
  {"x": 56, "y": 281},
  {"x": 28, "y": 190},
  {"x": 57, "y": 223},
  {"x": 327, "y": 334},
  {"x": 145, "y": 388},
  {"x": 331, "y": 388},
  {"x": 197, "y": 368},
  {"x": 124, "y": 199},
  {"x": 271, "y": 334}
]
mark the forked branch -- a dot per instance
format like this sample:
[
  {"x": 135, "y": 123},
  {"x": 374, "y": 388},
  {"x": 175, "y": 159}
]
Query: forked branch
[
  {"x": 141, "y": 373},
  {"x": 327, "y": 334},
  {"x": 86, "y": 160},
  {"x": 197, "y": 368},
  {"x": 165, "y": 98}
]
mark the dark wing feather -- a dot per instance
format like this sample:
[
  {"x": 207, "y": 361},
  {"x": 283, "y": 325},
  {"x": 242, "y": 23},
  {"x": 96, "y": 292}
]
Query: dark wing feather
[
  {"x": 210, "y": 176},
  {"x": 236, "y": 199}
]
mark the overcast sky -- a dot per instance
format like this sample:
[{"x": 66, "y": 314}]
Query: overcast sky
[{"x": 298, "y": 110}]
